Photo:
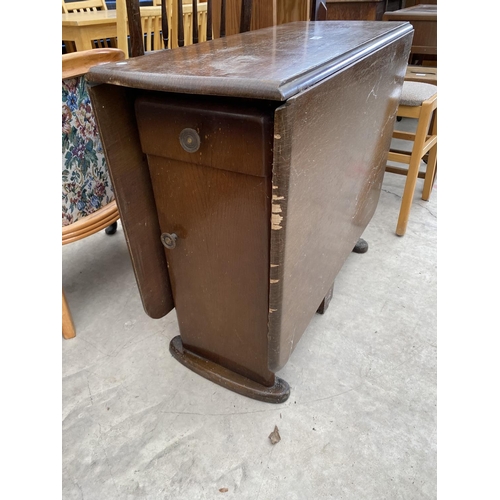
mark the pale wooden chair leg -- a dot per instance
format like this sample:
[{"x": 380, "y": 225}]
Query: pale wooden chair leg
[
  {"x": 68, "y": 328},
  {"x": 411, "y": 181},
  {"x": 430, "y": 173},
  {"x": 413, "y": 168}
]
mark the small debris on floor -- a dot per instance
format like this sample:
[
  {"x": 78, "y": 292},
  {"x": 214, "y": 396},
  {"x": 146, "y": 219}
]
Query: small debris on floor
[
  {"x": 223, "y": 490},
  {"x": 275, "y": 436}
]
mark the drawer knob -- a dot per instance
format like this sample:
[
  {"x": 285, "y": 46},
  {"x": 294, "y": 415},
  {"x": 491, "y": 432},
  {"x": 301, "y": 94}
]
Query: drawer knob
[
  {"x": 190, "y": 140},
  {"x": 169, "y": 240}
]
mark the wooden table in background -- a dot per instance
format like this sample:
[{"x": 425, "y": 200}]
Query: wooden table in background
[
  {"x": 349, "y": 10},
  {"x": 423, "y": 18},
  {"x": 84, "y": 27}
]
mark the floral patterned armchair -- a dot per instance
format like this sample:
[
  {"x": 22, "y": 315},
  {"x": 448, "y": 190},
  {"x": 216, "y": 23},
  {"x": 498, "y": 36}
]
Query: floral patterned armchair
[{"x": 88, "y": 203}]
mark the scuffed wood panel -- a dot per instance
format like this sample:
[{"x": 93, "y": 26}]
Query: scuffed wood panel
[
  {"x": 134, "y": 195},
  {"x": 330, "y": 150}
]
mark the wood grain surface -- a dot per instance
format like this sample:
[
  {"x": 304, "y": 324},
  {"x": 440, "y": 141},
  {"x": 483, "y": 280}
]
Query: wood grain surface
[
  {"x": 219, "y": 269},
  {"x": 368, "y": 10},
  {"x": 134, "y": 194},
  {"x": 272, "y": 63},
  {"x": 294, "y": 126},
  {"x": 330, "y": 150}
]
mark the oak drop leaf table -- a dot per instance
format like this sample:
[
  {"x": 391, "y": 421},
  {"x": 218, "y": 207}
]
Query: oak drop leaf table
[{"x": 245, "y": 170}]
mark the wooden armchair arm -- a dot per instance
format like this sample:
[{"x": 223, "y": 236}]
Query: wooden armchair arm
[{"x": 78, "y": 63}]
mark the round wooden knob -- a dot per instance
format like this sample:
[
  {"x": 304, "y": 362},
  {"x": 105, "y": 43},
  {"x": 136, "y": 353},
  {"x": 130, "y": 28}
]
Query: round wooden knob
[
  {"x": 169, "y": 240},
  {"x": 190, "y": 140}
]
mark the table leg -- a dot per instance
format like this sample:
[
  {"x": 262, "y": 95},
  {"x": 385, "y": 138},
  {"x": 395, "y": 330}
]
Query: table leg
[
  {"x": 326, "y": 302},
  {"x": 83, "y": 43}
]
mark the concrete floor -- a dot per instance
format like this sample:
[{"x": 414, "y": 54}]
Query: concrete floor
[{"x": 361, "y": 419}]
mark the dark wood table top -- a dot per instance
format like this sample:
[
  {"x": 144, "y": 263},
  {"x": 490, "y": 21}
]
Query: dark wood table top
[{"x": 272, "y": 63}]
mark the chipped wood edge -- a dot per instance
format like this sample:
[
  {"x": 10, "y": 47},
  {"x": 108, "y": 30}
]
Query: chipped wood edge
[{"x": 279, "y": 197}]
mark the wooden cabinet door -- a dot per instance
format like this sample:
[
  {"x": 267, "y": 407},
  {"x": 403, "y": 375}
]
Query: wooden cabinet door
[{"x": 213, "y": 194}]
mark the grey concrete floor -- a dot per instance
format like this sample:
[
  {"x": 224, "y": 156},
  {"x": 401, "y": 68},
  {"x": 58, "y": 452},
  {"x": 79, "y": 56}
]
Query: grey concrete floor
[{"x": 361, "y": 419}]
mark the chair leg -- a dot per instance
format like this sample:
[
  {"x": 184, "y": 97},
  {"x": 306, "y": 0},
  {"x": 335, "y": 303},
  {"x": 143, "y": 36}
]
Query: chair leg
[
  {"x": 411, "y": 181},
  {"x": 430, "y": 173},
  {"x": 326, "y": 301},
  {"x": 413, "y": 168},
  {"x": 112, "y": 228},
  {"x": 68, "y": 328}
]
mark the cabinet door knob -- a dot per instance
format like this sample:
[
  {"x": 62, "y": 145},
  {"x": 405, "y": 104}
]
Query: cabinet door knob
[
  {"x": 169, "y": 240},
  {"x": 190, "y": 140}
]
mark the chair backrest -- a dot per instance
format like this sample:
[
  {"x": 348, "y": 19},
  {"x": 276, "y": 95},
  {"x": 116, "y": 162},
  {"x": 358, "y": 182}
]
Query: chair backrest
[
  {"x": 152, "y": 29},
  {"x": 186, "y": 36},
  {"x": 83, "y": 6},
  {"x": 150, "y": 32},
  {"x": 177, "y": 26},
  {"x": 86, "y": 185}
]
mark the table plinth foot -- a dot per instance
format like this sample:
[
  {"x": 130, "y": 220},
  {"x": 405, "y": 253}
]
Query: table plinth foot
[
  {"x": 278, "y": 393},
  {"x": 361, "y": 246}
]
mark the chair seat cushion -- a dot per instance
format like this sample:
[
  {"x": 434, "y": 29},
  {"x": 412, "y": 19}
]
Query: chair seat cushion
[
  {"x": 86, "y": 185},
  {"x": 415, "y": 93}
]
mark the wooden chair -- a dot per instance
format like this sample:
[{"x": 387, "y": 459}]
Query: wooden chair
[
  {"x": 83, "y": 6},
  {"x": 178, "y": 28},
  {"x": 418, "y": 101},
  {"x": 423, "y": 74},
  {"x": 187, "y": 24},
  {"x": 151, "y": 29},
  {"x": 187, "y": 16},
  {"x": 151, "y": 25},
  {"x": 88, "y": 203}
]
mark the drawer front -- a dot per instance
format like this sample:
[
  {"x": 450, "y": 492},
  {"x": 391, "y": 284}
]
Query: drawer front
[{"x": 211, "y": 133}]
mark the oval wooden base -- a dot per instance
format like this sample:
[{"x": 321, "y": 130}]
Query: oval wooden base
[{"x": 278, "y": 393}]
